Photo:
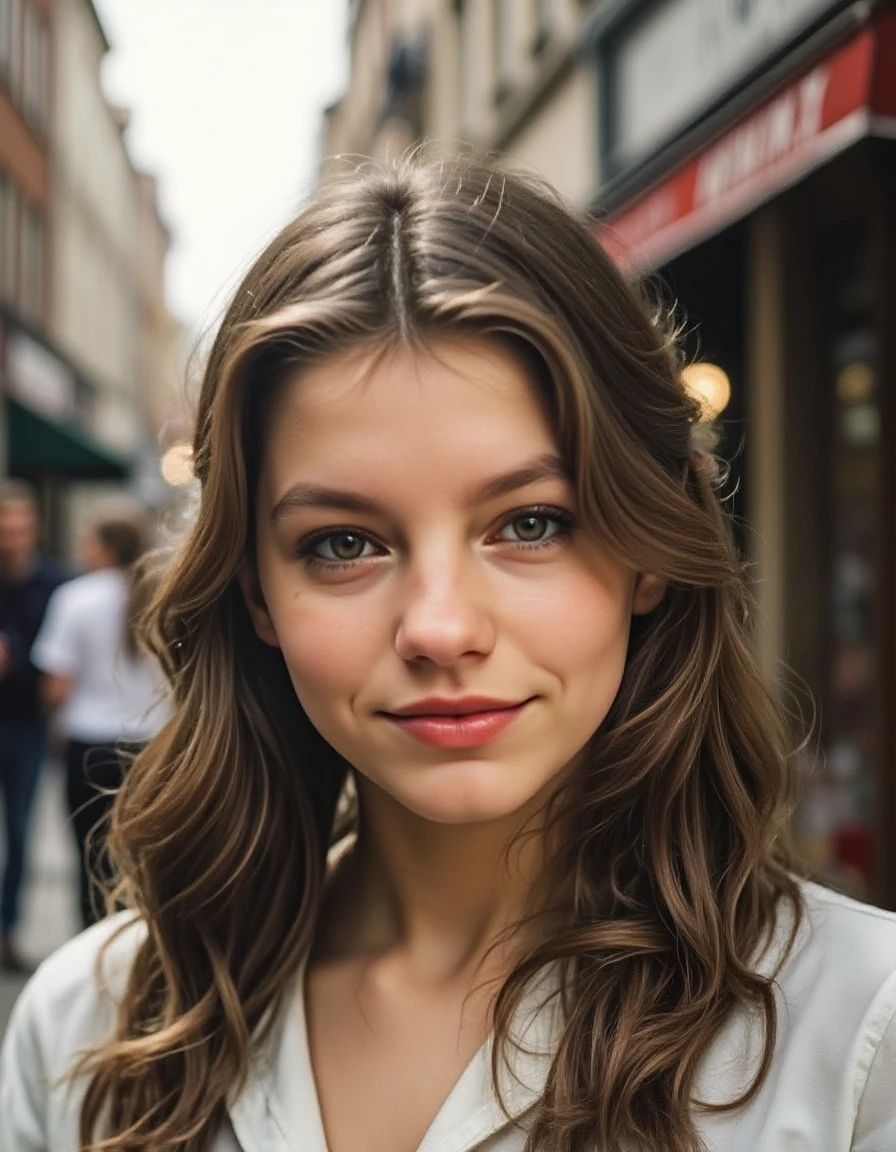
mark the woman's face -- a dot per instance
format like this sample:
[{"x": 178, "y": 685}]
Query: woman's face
[{"x": 447, "y": 626}]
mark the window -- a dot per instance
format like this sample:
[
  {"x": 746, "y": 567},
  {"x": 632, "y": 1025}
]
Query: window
[
  {"x": 8, "y": 230},
  {"x": 545, "y": 11},
  {"x": 34, "y": 89},
  {"x": 842, "y": 793},
  {"x": 543, "y": 22},
  {"x": 14, "y": 45},
  {"x": 354, "y": 13},
  {"x": 32, "y": 286},
  {"x": 5, "y": 39},
  {"x": 503, "y": 46},
  {"x": 464, "y": 73}
]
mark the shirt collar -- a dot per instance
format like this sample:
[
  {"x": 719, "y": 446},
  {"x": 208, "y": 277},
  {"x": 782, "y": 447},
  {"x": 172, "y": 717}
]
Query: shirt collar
[{"x": 277, "y": 1109}]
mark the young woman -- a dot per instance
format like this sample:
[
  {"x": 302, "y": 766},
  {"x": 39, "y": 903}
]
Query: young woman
[
  {"x": 461, "y": 598},
  {"x": 110, "y": 695}
]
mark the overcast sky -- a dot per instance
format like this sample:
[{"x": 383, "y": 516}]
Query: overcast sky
[{"x": 226, "y": 99}]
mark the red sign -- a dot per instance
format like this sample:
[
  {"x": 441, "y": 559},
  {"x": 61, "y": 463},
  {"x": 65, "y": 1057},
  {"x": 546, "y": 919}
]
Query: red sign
[{"x": 814, "y": 117}]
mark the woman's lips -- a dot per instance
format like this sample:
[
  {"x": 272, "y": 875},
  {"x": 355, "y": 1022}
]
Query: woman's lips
[{"x": 467, "y": 730}]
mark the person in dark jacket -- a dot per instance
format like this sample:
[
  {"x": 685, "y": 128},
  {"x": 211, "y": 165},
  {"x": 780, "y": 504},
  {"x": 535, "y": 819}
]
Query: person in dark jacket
[{"x": 27, "y": 580}]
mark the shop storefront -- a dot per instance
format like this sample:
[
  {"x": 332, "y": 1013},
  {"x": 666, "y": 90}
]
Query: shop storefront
[
  {"x": 760, "y": 193},
  {"x": 46, "y": 416}
]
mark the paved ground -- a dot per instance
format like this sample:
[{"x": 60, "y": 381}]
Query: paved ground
[{"x": 50, "y": 898}]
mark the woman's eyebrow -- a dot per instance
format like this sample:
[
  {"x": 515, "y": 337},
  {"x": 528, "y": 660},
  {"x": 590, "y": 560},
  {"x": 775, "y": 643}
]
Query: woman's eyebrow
[
  {"x": 315, "y": 496},
  {"x": 546, "y": 467},
  {"x": 303, "y": 495}
]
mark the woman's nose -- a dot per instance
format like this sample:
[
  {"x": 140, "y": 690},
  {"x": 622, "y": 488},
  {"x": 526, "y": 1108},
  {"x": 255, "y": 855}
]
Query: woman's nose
[{"x": 444, "y": 616}]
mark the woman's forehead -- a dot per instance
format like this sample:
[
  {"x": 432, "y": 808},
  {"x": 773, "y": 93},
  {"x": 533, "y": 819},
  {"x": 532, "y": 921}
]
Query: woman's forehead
[
  {"x": 465, "y": 411},
  {"x": 472, "y": 375}
]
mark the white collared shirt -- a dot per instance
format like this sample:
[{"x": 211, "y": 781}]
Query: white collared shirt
[
  {"x": 114, "y": 696},
  {"x": 831, "y": 1086}
]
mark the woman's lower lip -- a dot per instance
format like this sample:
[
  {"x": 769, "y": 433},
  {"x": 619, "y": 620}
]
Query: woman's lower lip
[{"x": 468, "y": 731}]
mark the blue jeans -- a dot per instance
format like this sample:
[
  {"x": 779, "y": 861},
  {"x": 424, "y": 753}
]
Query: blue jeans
[{"x": 22, "y": 751}]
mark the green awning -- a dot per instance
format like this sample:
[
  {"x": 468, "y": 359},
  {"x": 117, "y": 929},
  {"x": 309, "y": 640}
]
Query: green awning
[{"x": 38, "y": 445}]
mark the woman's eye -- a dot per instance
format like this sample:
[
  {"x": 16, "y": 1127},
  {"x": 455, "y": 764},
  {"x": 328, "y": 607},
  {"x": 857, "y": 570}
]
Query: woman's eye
[
  {"x": 339, "y": 548},
  {"x": 535, "y": 527}
]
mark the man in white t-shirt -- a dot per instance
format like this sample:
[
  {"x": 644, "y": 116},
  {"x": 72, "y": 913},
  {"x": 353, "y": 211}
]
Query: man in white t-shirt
[{"x": 108, "y": 695}]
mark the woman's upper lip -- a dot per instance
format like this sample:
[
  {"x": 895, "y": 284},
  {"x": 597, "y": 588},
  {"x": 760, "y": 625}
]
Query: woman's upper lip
[{"x": 459, "y": 706}]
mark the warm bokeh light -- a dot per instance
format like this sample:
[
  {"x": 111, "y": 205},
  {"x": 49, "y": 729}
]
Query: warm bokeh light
[
  {"x": 855, "y": 383},
  {"x": 177, "y": 465},
  {"x": 709, "y": 384}
]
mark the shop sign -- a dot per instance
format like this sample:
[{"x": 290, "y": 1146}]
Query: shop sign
[
  {"x": 791, "y": 120},
  {"x": 816, "y": 116},
  {"x": 672, "y": 61},
  {"x": 38, "y": 379}
]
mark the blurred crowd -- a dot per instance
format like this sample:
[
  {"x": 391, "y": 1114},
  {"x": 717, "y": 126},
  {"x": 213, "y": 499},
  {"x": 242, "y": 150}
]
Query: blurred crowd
[{"x": 74, "y": 680}]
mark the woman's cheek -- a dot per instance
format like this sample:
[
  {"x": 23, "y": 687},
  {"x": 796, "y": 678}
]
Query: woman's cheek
[{"x": 326, "y": 648}]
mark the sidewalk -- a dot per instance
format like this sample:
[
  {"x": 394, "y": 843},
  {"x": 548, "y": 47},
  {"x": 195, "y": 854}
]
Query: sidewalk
[{"x": 50, "y": 913}]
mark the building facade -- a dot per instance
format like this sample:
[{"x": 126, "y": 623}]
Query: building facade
[
  {"x": 24, "y": 164},
  {"x": 747, "y": 161},
  {"x": 160, "y": 404},
  {"x": 89, "y": 348},
  {"x": 93, "y": 315},
  {"x": 25, "y": 30},
  {"x": 496, "y": 74},
  {"x": 48, "y": 400},
  {"x": 742, "y": 157}
]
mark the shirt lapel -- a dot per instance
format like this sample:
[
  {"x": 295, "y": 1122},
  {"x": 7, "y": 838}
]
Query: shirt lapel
[
  {"x": 254, "y": 1125},
  {"x": 278, "y": 1109},
  {"x": 471, "y": 1113}
]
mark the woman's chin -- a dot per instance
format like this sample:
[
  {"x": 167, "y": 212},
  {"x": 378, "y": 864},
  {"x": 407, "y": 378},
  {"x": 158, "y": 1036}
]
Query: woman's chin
[{"x": 470, "y": 794}]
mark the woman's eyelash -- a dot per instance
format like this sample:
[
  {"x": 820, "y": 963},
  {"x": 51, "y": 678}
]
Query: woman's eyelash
[
  {"x": 349, "y": 538},
  {"x": 563, "y": 522},
  {"x": 354, "y": 543}
]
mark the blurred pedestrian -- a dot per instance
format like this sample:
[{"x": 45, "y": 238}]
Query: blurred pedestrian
[
  {"x": 460, "y": 556},
  {"x": 27, "y": 580},
  {"x": 108, "y": 694}
]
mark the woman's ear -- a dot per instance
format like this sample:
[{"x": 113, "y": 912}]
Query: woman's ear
[
  {"x": 649, "y": 591},
  {"x": 255, "y": 604}
]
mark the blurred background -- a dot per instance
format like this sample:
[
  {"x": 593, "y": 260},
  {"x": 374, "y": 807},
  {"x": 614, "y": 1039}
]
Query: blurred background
[{"x": 739, "y": 154}]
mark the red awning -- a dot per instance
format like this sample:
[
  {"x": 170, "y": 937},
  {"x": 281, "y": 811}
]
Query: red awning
[{"x": 821, "y": 112}]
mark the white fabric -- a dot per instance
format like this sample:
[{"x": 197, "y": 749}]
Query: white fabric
[
  {"x": 114, "y": 696},
  {"x": 831, "y": 1088}
]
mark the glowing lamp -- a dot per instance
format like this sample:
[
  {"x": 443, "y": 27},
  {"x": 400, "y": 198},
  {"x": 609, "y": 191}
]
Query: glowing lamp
[
  {"x": 709, "y": 385},
  {"x": 855, "y": 383},
  {"x": 176, "y": 465}
]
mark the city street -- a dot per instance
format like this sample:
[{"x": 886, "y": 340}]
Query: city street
[{"x": 50, "y": 897}]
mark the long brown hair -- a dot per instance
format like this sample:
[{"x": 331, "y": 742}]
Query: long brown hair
[{"x": 674, "y": 855}]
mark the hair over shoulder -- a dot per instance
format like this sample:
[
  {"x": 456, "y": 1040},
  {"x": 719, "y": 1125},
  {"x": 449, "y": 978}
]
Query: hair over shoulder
[{"x": 672, "y": 854}]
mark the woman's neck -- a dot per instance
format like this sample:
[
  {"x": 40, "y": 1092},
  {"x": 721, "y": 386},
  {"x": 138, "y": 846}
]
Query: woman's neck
[{"x": 441, "y": 895}]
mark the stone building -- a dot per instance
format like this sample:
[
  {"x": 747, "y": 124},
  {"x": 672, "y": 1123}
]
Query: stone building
[
  {"x": 498, "y": 74},
  {"x": 89, "y": 348}
]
